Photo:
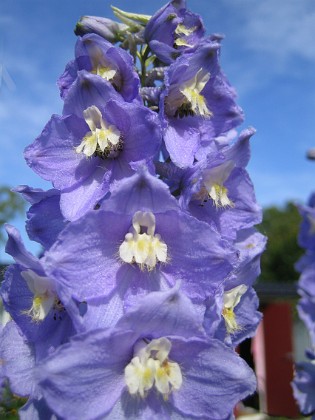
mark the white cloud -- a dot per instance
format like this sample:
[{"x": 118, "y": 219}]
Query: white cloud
[
  {"x": 25, "y": 110},
  {"x": 271, "y": 38},
  {"x": 280, "y": 28},
  {"x": 28, "y": 107},
  {"x": 21, "y": 121}
]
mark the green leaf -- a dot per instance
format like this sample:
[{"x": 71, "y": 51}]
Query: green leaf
[
  {"x": 11, "y": 205},
  {"x": 150, "y": 60},
  {"x": 133, "y": 17}
]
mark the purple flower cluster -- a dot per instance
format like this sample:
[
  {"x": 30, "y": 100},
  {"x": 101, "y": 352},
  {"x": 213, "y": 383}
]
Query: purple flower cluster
[
  {"x": 144, "y": 287},
  {"x": 304, "y": 381}
]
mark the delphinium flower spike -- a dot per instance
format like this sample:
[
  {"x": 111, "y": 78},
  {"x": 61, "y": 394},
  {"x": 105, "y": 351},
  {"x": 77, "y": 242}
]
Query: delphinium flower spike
[
  {"x": 304, "y": 380},
  {"x": 144, "y": 285}
]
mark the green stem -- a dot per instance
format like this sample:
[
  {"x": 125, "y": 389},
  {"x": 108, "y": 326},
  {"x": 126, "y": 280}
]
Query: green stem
[{"x": 144, "y": 57}]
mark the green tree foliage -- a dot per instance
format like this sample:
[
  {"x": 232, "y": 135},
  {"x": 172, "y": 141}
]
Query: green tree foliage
[
  {"x": 281, "y": 226},
  {"x": 10, "y": 404},
  {"x": 11, "y": 205}
]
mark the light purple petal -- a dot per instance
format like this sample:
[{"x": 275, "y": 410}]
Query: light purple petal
[
  {"x": 79, "y": 199},
  {"x": 17, "y": 250},
  {"x": 182, "y": 139},
  {"x": 304, "y": 387},
  {"x": 34, "y": 195},
  {"x": 164, "y": 313},
  {"x": 52, "y": 155},
  {"x": 87, "y": 90},
  {"x": 49, "y": 333},
  {"x": 36, "y": 409},
  {"x": 140, "y": 191},
  {"x": 244, "y": 213},
  {"x": 211, "y": 373},
  {"x": 247, "y": 317},
  {"x": 306, "y": 310},
  {"x": 84, "y": 260},
  {"x": 197, "y": 254},
  {"x": 36, "y": 226},
  {"x": 18, "y": 359},
  {"x": 88, "y": 372}
]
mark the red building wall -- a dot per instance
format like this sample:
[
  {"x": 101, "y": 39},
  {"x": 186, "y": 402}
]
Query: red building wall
[{"x": 273, "y": 354}]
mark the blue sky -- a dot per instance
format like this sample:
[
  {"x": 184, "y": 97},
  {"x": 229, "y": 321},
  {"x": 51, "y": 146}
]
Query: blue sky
[{"x": 268, "y": 55}]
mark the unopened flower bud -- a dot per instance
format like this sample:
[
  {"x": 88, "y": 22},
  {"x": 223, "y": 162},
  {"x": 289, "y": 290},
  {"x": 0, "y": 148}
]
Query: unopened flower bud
[{"x": 109, "y": 29}]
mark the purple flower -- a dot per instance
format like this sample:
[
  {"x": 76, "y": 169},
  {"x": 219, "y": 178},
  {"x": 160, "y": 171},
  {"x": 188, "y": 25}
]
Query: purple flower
[
  {"x": 83, "y": 153},
  {"x": 198, "y": 103},
  {"x": 173, "y": 30},
  {"x": 31, "y": 298},
  {"x": 306, "y": 305},
  {"x": 4, "y": 319},
  {"x": 306, "y": 283},
  {"x": 146, "y": 367},
  {"x": 87, "y": 90},
  {"x": 36, "y": 409},
  {"x": 138, "y": 241},
  {"x": 232, "y": 314},
  {"x": 19, "y": 358},
  {"x": 144, "y": 284},
  {"x": 219, "y": 191},
  {"x": 45, "y": 206},
  {"x": 306, "y": 310},
  {"x": 307, "y": 230},
  {"x": 104, "y": 27},
  {"x": 98, "y": 56},
  {"x": 304, "y": 385},
  {"x": 249, "y": 244},
  {"x": 304, "y": 380}
]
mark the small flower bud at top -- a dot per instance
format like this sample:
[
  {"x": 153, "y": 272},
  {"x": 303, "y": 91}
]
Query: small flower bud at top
[{"x": 106, "y": 28}]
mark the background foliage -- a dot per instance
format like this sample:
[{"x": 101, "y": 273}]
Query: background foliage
[
  {"x": 281, "y": 226},
  {"x": 11, "y": 205}
]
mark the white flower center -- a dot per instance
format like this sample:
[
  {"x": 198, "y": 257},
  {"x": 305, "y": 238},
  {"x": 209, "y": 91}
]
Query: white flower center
[
  {"x": 105, "y": 72},
  {"x": 150, "y": 367},
  {"x": 44, "y": 295},
  {"x": 231, "y": 299},
  {"x": 213, "y": 185},
  {"x": 101, "y": 138},
  {"x": 5, "y": 317},
  {"x": 192, "y": 91},
  {"x": 100, "y": 65},
  {"x": 144, "y": 248},
  {"x": 182, "y": 30},
  {"x": 181, "y": 42}
]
